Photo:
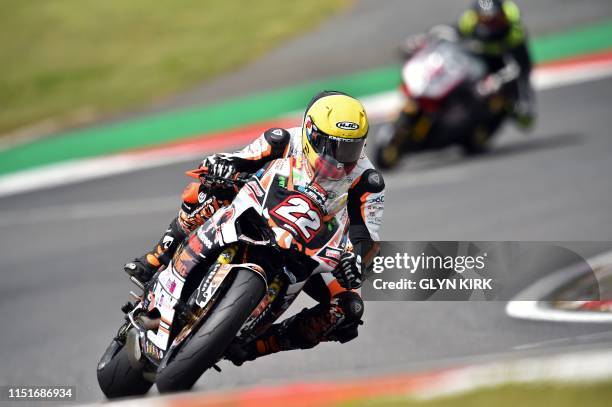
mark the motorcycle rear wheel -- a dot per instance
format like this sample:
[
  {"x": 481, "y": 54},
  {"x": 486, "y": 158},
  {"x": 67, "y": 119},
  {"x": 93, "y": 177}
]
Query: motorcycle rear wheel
[{"x": 387, "y": 157}]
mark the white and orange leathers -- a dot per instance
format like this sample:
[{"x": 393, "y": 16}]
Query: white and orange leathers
[
  {"x": 365, "y": 203},
  {"x": 366, "y": 196},
  {"x": 337, "y": 305}
]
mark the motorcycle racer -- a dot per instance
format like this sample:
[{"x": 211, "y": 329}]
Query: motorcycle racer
[
  {"x": 494, "y": 31},
  {"x": 497, "y": 26},
  {"x": 335, "y": 125}
]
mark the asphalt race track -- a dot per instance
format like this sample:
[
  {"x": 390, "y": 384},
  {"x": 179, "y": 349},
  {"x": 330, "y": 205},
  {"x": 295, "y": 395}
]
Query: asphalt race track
[{"x": 61, "y": 253}]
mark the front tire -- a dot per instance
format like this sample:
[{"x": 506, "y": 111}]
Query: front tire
[
  {"x": 117, "y": 377},
  {"x": 208, "y": 343},
  {"x": 386, "y": 153}
]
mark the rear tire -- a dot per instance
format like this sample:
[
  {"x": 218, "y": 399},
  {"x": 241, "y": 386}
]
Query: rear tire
[
  {"x": 117, "y": 377},
  {"x": 208, "y": 343}
]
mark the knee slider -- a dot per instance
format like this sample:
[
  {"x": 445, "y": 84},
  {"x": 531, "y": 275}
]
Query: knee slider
[{"x": 351, "y": 305}]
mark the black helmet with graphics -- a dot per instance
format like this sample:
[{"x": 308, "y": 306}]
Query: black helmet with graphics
[{"x": 490, "y": 20}]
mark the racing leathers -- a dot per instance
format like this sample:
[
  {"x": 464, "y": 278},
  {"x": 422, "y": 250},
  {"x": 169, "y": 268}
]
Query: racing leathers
[
  {"x": 339, "y": 311},
  {"x": 513, "y": 44}
]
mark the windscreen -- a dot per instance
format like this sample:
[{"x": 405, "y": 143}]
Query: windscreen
[{"x": 435, "y": 70}]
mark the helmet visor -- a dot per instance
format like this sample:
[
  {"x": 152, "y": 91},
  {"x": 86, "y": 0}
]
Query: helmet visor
[
  {"x": 494, "y": 21},
  {"x": 343, "y": 150},
  {"x": 330, "y": 178}
]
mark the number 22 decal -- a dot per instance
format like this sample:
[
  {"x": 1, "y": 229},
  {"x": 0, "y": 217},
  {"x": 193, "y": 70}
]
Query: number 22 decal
[{"x": 297, "y": 212}]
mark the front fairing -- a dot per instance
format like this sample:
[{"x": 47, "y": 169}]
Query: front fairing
[
  {"x": 298, "y": 223},
  {"x": 438, "y": 68}
]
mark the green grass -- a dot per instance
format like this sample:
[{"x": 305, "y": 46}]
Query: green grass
[
  {"x": 73, "y": 59},
  {"x": 514, "y": 395}
]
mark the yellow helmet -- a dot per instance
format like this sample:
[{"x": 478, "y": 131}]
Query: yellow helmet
[{"x": 335, "y": 125}]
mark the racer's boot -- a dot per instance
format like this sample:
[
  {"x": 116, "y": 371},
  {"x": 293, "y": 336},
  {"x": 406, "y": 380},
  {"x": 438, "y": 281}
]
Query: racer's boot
[
  {"x": 196, "y": 208},
  {"x": 524, "y": 109},
  {"x": 144, "y": 267},
  {"x": 524, "y": 115},
  {"x": 335, "y": 321}
]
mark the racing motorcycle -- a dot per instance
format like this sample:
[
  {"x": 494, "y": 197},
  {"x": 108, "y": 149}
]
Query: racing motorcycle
[
  {"x": 231, "y": 278},
  {"x": 450, "y": 99}
]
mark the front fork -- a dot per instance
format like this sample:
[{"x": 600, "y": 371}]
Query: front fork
[
  {"x": 202, "y": 299},
  {"x": 140, "y": 320}
]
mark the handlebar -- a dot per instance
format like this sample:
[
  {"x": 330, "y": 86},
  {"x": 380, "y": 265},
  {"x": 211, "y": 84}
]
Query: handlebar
[
  {"x": 214, "y": 181},
  {"x": 494, "y": 82}
]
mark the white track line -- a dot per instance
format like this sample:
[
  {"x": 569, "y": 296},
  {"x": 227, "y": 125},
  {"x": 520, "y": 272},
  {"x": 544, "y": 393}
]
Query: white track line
[
  {"x": 92, "y": 210},
  {"x": 596, "y": 337},
  {"x": 583, "y": 367},
  {"x": 524, "y": 307},
  {"x": 547, "y": 79},
  {"x": 534, "y": 310},
  {"x": 73, "y": 171}
]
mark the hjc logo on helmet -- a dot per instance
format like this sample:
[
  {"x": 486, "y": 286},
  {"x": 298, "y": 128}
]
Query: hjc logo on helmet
[{"x": 347, "y": 125}]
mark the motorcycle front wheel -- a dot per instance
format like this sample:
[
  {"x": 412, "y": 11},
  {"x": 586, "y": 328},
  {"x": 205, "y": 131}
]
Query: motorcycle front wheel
[{"x": 206, "y": 345}]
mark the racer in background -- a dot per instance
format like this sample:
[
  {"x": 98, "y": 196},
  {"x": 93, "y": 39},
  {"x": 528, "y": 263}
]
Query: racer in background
[
  {"x": 492, "y": 30},
  {"x": 334, "y": 124}
]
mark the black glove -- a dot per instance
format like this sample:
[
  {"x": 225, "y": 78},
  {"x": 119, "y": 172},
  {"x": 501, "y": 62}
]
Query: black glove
[
  {"x": 219, "y": 167},
  {"x": 348, "y": 271}
]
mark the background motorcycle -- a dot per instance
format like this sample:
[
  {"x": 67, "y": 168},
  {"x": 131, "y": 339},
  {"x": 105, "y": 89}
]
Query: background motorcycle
[
  {"x": 229, "y": 281},
  {"x": 450, "y": 99}
]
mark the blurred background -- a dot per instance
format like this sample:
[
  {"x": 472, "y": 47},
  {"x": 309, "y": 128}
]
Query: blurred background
[{"x": 104, "y": 105}]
